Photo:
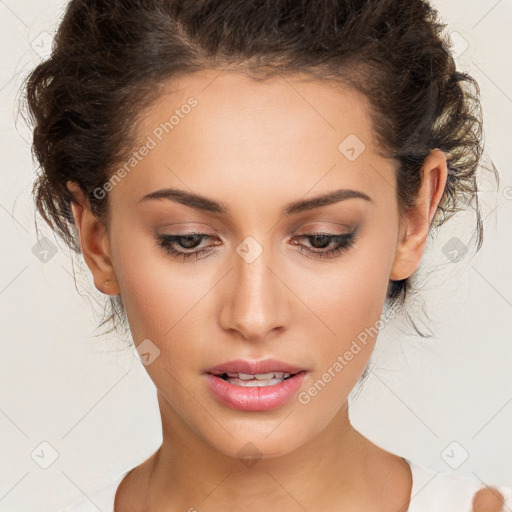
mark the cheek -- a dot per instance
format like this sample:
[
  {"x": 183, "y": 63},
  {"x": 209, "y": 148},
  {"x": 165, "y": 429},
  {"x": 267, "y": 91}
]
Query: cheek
[
  {"x": 349, "y": 296},
  {"x": 159, "y": 297},
  {"x": 349, "y": 302}
]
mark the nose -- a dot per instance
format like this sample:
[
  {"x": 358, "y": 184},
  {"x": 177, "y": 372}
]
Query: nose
[{"x": 256, "y": 301}]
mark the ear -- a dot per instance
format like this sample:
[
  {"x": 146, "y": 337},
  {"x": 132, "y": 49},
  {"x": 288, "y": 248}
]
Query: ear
[
  {"x": 94, "y": 242},
  {"x": 414, "y": 228}
]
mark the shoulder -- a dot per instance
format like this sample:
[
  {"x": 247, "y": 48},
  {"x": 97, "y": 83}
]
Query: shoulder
[
  {"x": 449, "y": 492},
  {"x": 490, "y": 499},
  {"x": 100, "y": 498}
]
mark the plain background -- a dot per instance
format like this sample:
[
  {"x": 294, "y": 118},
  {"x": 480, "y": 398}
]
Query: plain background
[{"x": 76, "y": 410}]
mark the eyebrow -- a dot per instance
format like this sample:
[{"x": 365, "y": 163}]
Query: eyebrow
[{"x": 209, "y": 205}]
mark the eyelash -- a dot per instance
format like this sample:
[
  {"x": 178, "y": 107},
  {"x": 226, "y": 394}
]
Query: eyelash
[{"x": 343, "y": 243}]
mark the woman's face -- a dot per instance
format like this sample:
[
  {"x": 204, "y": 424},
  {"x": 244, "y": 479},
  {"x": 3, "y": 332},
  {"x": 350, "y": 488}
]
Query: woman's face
[{"x": 255, "y": 287}]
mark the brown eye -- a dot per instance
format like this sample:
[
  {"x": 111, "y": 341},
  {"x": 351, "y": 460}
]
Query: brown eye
[
  {"x": 320, "y": 241},
  {"x": 172, "y": 244},
  {"x": 181, "y": 246},
  {"x": 189, "y": 241}
]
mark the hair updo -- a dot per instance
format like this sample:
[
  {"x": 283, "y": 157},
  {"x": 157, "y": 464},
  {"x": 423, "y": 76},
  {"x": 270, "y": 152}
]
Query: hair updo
[{"x": 111, "y": 58}]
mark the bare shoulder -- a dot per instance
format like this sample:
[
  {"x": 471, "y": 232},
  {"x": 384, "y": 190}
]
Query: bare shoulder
[
  {"x": 392, "y": 479},
  {"x": 488, "y": 499},
  {"x": 130, "y": 492}
]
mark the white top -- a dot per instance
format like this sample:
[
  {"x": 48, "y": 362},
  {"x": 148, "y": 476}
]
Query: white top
[{"x": 431, "y": 492}]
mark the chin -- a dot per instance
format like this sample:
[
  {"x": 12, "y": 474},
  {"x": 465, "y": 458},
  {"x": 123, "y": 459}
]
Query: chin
[{"x": 252, "y": 440}]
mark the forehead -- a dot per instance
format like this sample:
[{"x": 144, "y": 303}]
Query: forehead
[{"x": 228, "y": 131}]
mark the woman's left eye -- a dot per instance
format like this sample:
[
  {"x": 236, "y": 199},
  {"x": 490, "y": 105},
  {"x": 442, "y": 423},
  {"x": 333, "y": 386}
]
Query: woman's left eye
[
  {"x": 342, "y": 242},
  {"x": 319, "y": 241}
]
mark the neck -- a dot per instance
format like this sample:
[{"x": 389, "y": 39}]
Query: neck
[{"x": 334, "y": 470}]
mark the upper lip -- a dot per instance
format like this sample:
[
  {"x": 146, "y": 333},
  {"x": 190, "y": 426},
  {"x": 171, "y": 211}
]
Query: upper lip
[{"x": 254, "y": 367}]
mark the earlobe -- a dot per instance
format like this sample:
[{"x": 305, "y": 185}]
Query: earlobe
[
  {"x": 414, "y": 229},
  {"x": 93, "y": 242}
]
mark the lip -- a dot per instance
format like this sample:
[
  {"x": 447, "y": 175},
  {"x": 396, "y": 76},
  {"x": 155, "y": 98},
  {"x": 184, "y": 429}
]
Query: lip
[
  {"x": 262, "y": 398},
  {"x": 254, "y": 367}
]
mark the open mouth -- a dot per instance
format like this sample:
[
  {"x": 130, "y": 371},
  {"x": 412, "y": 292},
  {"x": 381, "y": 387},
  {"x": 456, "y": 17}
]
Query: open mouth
[
  {"x": 258, "y": 380},
  {"x": 254, "y": 391}
]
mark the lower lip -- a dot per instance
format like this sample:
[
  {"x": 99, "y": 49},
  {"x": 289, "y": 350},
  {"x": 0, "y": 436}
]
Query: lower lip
[{"x": 261, "y": 398}]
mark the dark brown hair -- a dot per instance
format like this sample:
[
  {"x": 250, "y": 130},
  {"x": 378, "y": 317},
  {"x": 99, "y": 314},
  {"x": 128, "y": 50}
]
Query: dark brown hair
[{"x": 111, "y": 59}]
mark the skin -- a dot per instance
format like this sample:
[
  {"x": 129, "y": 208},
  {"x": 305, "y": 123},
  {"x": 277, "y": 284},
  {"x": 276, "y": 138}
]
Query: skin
[{"x": 256, "y": 147}]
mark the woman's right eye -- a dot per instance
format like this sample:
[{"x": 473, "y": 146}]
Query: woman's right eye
[{"x": 188, "y": 241}]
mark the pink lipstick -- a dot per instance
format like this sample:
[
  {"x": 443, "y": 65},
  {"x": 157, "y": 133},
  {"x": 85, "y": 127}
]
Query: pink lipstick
[{"x": 254, "y": 385}]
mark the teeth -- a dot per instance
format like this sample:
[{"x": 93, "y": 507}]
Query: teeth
[
  {"x": 259, "y": 376},
  {"x": 254, "y": 383},
  {"x": 248, "y": 380}
]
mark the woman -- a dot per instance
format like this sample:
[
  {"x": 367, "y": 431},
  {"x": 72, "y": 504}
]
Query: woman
[{"x": 252, "y": 183}]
